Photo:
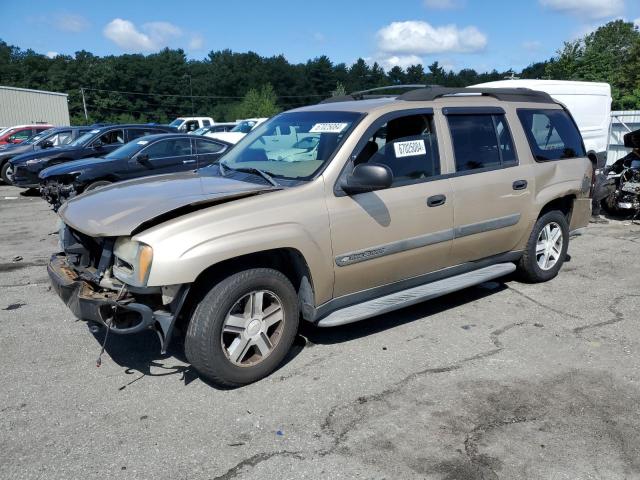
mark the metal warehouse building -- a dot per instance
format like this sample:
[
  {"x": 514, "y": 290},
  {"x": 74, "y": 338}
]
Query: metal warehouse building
[{"x": 20, "y": 106}]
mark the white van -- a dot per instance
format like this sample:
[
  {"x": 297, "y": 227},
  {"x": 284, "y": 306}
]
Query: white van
[{"x": 588, "y": 102}]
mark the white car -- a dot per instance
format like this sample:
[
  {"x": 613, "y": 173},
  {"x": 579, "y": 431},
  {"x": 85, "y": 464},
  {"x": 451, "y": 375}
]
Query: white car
[
  {"x": 189, "y": 124},
  {"x": 238, "y": 132}
]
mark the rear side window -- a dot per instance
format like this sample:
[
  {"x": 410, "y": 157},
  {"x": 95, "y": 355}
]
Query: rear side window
[
  {"x": 204, "y": 146},
  {"x": 408, "y": 146},
  {"x": 552, "y": 135},
  {"x": 206, "y": 123},
  {"x": 481, "y": 141}
]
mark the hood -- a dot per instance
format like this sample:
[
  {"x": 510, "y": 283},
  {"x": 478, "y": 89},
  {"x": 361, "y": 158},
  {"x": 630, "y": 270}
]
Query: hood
[
  {"x": 15, "y": 150},
  {"x": 43, "y": 153},
  {"x": 73, "y": 166},
  {"x": 231, "y": 137},
  {"x": 123, "y": 207}
]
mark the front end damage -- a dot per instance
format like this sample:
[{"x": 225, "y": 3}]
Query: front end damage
[{"x": 82, "y": 275}]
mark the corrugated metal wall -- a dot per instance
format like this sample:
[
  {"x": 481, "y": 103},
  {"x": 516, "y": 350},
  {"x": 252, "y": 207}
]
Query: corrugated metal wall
[
  {"x": 622, "y": 121},
  {"x": 21, "y": 106}
]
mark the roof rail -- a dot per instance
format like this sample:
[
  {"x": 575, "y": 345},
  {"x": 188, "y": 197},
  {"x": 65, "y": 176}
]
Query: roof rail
[
  {"x": 365, "y": 94},
  {"x": 505, "y": 94}
]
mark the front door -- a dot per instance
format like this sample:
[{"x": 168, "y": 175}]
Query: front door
[
  {"x": 492, "y": 191},
  {"x": 164, "y": 156},
  {"x": 401, "y": 232}
]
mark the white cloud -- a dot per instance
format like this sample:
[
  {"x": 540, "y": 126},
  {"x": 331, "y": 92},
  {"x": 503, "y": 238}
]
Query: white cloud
[
  {"x": 68, "y": 22},
  {"x": 441, "y": 4},
  {"x": 389, "y": 61},
  {"x": 532, "y": 45},
  {"x": 151, "y": 37},
  {"x": 594, "y": 9},
  {"x": 196, "y": 42},
  {"x": 52, "y": 54},
  {"x": 419, "y": 38},
  {"x": 636, "y": 22}
]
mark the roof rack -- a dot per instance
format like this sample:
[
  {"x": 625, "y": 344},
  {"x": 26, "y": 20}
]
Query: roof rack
[
  {"x": 505, "y": 94},
  {"x": 366, "y": 94},
  {"x": 426, "y": 93}
]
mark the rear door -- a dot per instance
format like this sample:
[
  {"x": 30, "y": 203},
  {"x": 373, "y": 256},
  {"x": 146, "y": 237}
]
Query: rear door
[
  {"x": 492, "y": 190},
  {"x": 207, "y": 152}
]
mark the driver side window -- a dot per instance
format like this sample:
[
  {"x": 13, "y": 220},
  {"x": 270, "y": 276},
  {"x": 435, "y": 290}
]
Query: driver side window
[{"x": 408, "y": 146}]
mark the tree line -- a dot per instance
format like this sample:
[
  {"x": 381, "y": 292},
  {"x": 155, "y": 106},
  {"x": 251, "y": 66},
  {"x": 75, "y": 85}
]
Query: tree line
[{"x": 228, "y": 85}]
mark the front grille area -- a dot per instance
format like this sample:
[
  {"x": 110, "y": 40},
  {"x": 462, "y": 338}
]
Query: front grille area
[{"x": 83, "y": 251}]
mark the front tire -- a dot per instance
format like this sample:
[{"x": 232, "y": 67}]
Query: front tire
[
  {"x": 546, "y": 248},
  {"x": 7, "y": 173},
  {"x": 243, "y": 328}
]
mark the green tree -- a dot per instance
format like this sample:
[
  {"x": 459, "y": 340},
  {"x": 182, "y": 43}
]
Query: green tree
[{"x": 258, "y": 103}]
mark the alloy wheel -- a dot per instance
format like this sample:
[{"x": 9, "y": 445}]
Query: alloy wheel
[{"x": 549, "y": 246}]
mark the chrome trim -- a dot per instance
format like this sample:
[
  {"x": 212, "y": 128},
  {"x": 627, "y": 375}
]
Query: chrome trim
[{"x": 425, "y": 240}]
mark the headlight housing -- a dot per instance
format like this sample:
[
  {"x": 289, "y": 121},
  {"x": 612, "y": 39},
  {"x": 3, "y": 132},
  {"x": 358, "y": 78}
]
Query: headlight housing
[{"x": 132, "y": 261}]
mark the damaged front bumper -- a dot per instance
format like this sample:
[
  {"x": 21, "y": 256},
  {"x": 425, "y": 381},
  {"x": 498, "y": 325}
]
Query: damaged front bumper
[{"x": 121, "y": 314}]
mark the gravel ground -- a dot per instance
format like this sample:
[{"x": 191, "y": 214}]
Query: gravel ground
[{"x": 505, "y": 380}]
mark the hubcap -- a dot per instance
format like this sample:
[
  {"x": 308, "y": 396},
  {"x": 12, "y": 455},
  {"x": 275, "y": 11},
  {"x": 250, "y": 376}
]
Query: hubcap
[
  {"x": 252, "y": 328},
  {"x": 549, "y": 246},
  {"x": 9, "y": 173}
]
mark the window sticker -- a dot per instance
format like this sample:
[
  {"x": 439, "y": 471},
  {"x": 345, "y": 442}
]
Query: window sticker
[
  {"x": 94, "y": 131},
  {"x": 143, "y": 142},
  {"x": 409, "y": 149},
  {"x": 328, "y": 127}
]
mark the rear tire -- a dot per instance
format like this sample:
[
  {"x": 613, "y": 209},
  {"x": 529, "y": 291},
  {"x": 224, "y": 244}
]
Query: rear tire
[
  {"x": 98, "y": 184},
  {"x": 546, "y": 248},
  {"x": 6, "y": 173},
  {"x": 243, "y": 328}
]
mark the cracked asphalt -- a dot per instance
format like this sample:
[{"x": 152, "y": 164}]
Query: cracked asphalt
[{"x": 505, "y": 380}]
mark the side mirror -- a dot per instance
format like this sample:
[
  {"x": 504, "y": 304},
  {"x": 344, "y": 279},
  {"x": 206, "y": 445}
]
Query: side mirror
[
  {"x": 368, "y": 177},
  {"x": 97, "y": 145},
  {"x": 143, "y": 159},
  {"x": 47, "y": 144}
]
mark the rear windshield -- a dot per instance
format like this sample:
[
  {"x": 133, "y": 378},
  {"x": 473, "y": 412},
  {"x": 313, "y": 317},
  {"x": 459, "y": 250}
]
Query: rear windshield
[{"x": 552, "y": 134}]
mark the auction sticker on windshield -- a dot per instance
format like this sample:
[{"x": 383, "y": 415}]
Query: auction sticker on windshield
[
  {"x": 410, "y": 148},
  {"x": 328, "y": 127}
]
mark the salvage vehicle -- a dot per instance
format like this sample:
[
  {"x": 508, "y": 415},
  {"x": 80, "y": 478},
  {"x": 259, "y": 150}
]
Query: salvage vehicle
[
  {"x": 408, "y": 197},
  {"x": 20, "y": 133},
  {"x": 238, "y": 132},
  {"x": 190, "y": 124},
  {"x": 94, "y": 143},
  {"x": 151, "y": 155},
  {"x": 624, "y": 174},
  {"x": 54, "y": 137}
]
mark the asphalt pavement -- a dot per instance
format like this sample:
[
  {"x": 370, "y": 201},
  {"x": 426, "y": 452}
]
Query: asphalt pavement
[{"x": 502, "y": 381}]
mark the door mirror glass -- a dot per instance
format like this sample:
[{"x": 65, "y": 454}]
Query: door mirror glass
[
  {"x": 368, "y": 177},
  {"x": 143, "y": 159}
]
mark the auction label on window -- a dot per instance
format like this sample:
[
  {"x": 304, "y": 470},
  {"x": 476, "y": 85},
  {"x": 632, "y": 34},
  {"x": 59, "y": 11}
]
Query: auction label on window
[
  {"x": 328, "y": 127},
  {"x": 143, "y": 142},
  {"x": 409, "y": 149}
]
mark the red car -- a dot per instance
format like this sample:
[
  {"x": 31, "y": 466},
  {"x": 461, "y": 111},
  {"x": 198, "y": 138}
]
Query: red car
[{"x": 20, "y": 133}]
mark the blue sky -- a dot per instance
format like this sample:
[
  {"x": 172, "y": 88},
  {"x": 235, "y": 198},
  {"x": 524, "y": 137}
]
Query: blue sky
[{"x": 458, "y": 33}]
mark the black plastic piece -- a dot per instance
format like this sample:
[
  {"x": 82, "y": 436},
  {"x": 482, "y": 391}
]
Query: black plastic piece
[
  {"x": 473, "y": 111},
  {"x": 368, "y": 177},
  {"x": 436, "y": 200},
  {"x": 505, "y": 94},
  {"x": 632, "y": 139},
  {"x": 520, "y": 184}
]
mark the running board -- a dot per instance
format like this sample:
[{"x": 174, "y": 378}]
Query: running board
[{"x": 411, "y": 296}]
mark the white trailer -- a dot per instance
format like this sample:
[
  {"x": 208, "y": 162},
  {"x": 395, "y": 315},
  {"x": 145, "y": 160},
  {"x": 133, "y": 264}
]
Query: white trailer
[{"x": 588, "y": 102}]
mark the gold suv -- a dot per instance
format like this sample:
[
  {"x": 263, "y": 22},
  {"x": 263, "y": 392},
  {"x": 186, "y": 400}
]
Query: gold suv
[{"x": 333, "y": 213}]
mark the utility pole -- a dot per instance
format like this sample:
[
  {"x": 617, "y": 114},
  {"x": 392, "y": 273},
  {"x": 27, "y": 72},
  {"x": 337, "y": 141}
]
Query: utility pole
[
  {"x": 84, "y": 104},
  {"x": 193, "y": 112}
]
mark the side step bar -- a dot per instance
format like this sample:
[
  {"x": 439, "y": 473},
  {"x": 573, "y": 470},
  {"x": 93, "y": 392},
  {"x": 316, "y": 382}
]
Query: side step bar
[{"x": 411, "y": 296}]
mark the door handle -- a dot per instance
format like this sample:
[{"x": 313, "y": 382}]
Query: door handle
[
  {"x": 436, "y": 200},
  {"x": 188, "y": 161},
  {"x": 520, "y": 184}
]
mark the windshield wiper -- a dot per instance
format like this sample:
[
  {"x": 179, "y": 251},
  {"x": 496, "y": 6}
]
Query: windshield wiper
[{"x": 262, "y": 173}]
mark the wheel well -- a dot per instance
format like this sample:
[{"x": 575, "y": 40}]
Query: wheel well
[
  {"x": 563, "y": 204},
  {"x": 288, "y": 261}
]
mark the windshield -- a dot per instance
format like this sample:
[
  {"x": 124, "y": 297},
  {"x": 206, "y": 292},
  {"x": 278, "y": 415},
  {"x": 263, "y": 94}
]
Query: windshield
[
  {"x": 128, "y": 150},
  {"x": 82, "y": 140},
  {"x": 244, "y": 126},
  {"x": 177, "y": 122},
  {"x": 200, "y": 131},
  {"x": 292, "y": 145}
]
